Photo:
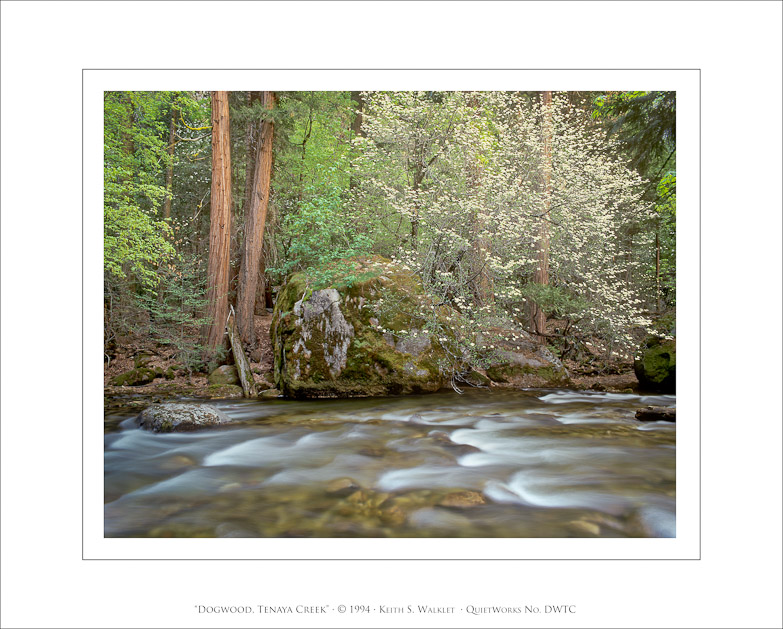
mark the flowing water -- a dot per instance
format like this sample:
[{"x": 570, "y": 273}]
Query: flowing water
[{"x": 534, "y": 463}]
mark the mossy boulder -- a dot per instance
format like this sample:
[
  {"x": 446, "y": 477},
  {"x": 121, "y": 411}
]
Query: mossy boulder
[
  {"x": 180, "y": 417},
  {"x": 655, "y": 364},
  {"x": 135, "y": 377},
  {"x": 225, "y": 374},
  {"x": 358, "y": 328},
  {"x": 224, "y": 391},
  {"x": 511, "y": 356}
]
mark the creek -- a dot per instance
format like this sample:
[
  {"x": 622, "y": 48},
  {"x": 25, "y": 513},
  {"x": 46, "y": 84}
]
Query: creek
[{"x": 499, "y": 463}]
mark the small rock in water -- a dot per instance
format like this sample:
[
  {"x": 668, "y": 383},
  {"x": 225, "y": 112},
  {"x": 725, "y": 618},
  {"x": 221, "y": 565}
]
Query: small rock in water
[
  {"x": 462, "y": 499},
  {"x": 178, "y": 417},
  {"x": 271, "y": 393},
  {"x": 656, "y": 414},
  {"x": 342, "y": 487},
  {"x": 582, "y": 527}
]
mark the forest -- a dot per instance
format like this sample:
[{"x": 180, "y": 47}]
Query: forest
[
  {"x": 552, "y": 213},
  {"x": 380, "y": 313}
]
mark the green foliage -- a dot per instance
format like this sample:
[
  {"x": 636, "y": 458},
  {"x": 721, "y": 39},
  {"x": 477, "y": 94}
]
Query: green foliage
[
  {"x": 644, "y": 123},
  {"x": 135, "y": 137},
  {"x": 666, "y": 207},
  {"x": 318, "y": 234},
  {"x": 557, "y": 301},
  {"x": 175, "y": 313}
]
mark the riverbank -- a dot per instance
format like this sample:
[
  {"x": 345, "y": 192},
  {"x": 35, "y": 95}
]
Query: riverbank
[{"x": 176, "y": 382}]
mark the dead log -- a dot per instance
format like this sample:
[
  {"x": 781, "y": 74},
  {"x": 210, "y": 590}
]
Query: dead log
[
  {"x": 656, "y": 414},
  {"x": 240, "y": 360}
]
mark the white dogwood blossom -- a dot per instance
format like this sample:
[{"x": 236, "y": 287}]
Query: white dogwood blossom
[{"x": 455, "y": 182}]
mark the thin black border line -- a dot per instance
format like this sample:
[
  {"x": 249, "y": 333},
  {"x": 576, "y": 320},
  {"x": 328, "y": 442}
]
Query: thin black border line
[{"x": 699, "y": 336}]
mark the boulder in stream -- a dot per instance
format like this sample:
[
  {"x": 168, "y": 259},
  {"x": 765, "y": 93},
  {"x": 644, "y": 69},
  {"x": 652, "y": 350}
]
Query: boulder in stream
[{"x": 180, "y": 417}]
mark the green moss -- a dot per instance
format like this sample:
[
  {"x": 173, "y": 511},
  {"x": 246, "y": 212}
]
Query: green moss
[
  {"x": 135, "y": 377},
  {"x": 224, "y": 391},
  {"x": 548, "y": 375},
  {"x": 655, "y": 366}
]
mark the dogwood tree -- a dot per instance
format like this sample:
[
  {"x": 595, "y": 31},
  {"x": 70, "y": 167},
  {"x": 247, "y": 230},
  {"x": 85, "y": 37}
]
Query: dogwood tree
[{"x": 479, "y": 189}]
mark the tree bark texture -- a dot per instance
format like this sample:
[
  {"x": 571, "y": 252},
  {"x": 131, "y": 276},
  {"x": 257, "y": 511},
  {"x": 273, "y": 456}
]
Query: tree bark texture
[
  {"x": 240, "y": 360},
  {"x": 255, "y": 221},
  {"x": 541, "y": 275},
  {"x": 218, "y": 266}
]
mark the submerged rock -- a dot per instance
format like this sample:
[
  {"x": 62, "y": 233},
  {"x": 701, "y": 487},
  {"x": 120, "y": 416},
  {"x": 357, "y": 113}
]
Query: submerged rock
[
  {"x": 462, "y": 499},
  {"x": 655, "y": 365},
  {"x": 180, "y": 416},
  {"x": 342, "y": 487},
  {"x": 364, "y": 334}
]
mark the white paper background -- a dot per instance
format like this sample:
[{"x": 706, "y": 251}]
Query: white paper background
[{"x": 44, "y": 48}]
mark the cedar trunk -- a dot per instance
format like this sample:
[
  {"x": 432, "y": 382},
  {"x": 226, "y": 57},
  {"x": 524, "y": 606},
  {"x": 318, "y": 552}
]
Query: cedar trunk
[
  {"x": 220, "y": 224},
  {"x": 255, "y": 221},
  {"x": 541, "y": 275}
]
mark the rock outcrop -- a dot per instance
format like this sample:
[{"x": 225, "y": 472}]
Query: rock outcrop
[{"x": 370, "y": 329}]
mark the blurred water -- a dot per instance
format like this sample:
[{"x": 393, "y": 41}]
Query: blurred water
[{"x": 483, "y": 464}]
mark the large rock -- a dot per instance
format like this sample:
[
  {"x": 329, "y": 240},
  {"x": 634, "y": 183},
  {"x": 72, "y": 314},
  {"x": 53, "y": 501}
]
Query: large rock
[
  {"x": 225, "y": 374},
  {"x": 655, "y": 364},
  {"x": 511, "y": 356},
  {"x": 364, "y": 332},
  {"x": 180, "y": 417}
]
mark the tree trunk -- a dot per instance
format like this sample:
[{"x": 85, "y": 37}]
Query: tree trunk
[
  {"x": 240, "y": 360},
  {"x": 170, "y": 165},
  {"x": 541, "y": 275},
  {"x": 220, "y": 225},
  {"x": 251, "y": 140},
  {"x": 255, "y": 221}
]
